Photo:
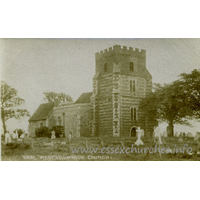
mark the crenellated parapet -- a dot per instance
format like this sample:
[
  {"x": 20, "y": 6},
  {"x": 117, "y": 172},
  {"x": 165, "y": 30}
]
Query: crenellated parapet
[{"x": 118, "y": 49}]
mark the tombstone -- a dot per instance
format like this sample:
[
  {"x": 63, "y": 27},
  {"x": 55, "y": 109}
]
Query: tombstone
[
  {"x": 164, "y": 134},
  {"x": 70, "y": 136},
  {"x": 53, "y": 136},
  {"x": 180, "y": 140},
  {"x": 157, "y": 135},
  {"x": 176, "y": 134},
  {"x": 7, "y": 138},
  {"x": 197, "y": 136},
  {"x": 17, "y": 135},
  {"x": 22, "y": 136},
  {"x": 139, "y": 141},
  {"x": 189, "y": 134}
]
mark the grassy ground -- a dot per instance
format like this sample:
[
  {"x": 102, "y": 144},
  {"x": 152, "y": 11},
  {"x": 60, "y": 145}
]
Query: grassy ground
[{"x": 24, "y": 152}]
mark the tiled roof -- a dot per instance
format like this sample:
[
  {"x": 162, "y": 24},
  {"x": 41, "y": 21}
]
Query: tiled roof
[
  {"x": 84, "y": 98},
  {"x": 42, "y": 112}
]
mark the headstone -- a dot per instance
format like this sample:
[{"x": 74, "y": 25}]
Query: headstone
[
  {"x": 17, "y": 135},
  {"x": 22, "y": 136},
  {"x": 180, "y": 140},
  {"x": 164, "y": 134},
  {"x": 7, "y": 138},
  {"x": 53, "y": 136},
  {"x": 157, "y": 135},
  {"x": 176, "y": 134},
  {"x": 197, "y": 136},
  {"x": 139, "y": 141},
  {"x": 70, "y": 136},
  {"x": 189, "y": 134}
]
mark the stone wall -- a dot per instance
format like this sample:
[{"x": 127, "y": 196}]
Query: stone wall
[
  {"x": 75, "y": 118},
  {"x": 33, "y": 125}
]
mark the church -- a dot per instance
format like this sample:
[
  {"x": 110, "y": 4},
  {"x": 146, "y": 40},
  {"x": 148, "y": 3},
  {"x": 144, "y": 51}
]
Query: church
[{"x": 121, "y": 80}]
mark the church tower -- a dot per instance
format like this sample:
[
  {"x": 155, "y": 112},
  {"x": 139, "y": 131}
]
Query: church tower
[{"x": 121, "y": 80}]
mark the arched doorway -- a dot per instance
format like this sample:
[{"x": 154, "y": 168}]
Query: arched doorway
[{"x": 133, "y": 131}]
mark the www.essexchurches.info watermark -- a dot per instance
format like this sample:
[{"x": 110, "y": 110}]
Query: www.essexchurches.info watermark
[{"x": 133, "y": 149}]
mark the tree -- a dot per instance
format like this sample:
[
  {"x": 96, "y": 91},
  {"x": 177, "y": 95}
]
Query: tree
[
  {"x": 62, "y": 97},
  {"x": 9, "y": 104},
  {"x": 191, "y": 86},
  {"x": 168, "y": 104}
]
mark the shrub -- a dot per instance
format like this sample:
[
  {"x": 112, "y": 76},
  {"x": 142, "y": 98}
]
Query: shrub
[
  {"x": 19, "y": 131},
  {"x": 58, "y": 130},
  {"x": 43, "y": 132}
]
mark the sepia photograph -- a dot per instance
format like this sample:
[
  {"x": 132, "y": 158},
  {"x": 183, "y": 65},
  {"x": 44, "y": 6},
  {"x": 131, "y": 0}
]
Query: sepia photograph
[
  {"x": 100, "y": 99},
  {"x": 102, "y": 92}
]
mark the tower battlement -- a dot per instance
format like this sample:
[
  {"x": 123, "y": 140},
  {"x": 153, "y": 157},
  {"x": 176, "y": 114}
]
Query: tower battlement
[{"x": 120, "y": 50}]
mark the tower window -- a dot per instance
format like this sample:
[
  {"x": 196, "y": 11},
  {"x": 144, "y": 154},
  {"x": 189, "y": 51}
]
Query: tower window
[
  {"x": 135, "y": 114},
  {"x": 105, "y": 67},
  {"x": 131, "y": 66},
  {"x": 131, "y": 114},
  {"x": 132, "y": 86}
]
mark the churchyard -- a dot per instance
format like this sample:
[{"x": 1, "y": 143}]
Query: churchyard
[{"x": 138, "y": 148}]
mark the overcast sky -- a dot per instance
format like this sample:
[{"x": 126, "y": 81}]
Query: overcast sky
[{"x": 34, "y": 66}]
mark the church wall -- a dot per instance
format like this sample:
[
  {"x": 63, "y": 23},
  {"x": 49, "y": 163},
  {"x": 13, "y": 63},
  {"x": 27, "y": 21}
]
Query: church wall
[
  {"x": 33, "y": 125},
  {"x": 76, "y": 119}
]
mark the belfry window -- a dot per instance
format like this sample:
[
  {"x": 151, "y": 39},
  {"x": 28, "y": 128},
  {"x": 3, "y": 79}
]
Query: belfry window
[
  {"x": 132, "y": 86},
  {"x": 131, "y": 114},
  {"x": 131, "y": 66},
  {"x": 105, "y": 67},
  {"x": 135, "y": 114}
]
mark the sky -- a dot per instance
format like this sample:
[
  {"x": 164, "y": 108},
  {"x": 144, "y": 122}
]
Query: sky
[{"x": 34, "y": 66}]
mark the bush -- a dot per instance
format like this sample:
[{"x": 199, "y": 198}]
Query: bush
[
  {"x": 43, "y": 132},
  {"x": 19, "y": 131},
  {"x": 58, "y": 131}
]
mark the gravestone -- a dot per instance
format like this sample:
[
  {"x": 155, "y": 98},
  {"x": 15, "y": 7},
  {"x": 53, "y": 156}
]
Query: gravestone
[
  {"x": 164, "y": 134},
  {"x": 176, "y": 134},
  {"x": 139, "y": 141},
  {"x": 7, "y": 138},
  {"x": 157, "y": 135},
  {"x": 197, "y": 136},
  {"x": 53, "y": 136},
  {"x": 17, "y": 135},
  {"x": 189, "y": 134},
  {"x": 181, "y": 134}
]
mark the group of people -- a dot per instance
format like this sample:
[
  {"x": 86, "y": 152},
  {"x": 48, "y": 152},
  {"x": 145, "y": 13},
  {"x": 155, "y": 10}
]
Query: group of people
[{"x": 9, "y": 138}]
